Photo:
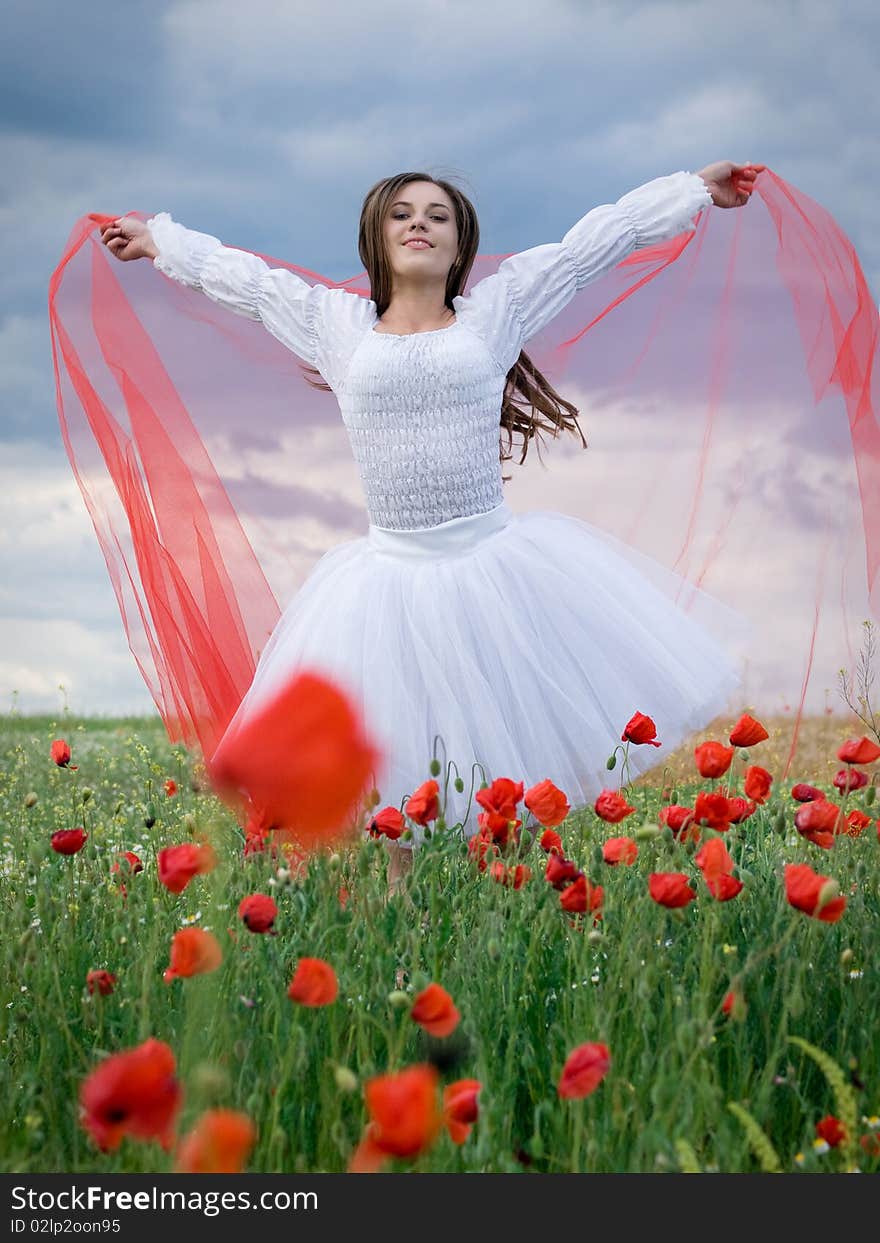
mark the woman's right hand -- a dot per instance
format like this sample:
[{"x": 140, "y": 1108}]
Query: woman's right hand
[{"x": 127, "y": 238}]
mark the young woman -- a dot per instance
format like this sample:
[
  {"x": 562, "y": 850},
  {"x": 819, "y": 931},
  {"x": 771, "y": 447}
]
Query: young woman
[{"x": 414, "y": 619}]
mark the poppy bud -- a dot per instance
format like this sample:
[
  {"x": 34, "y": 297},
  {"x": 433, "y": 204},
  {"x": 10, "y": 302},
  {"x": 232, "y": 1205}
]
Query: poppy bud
[
  {"x": 595, "y": 937},
  {"x": 744, "y": 755},
  {"x": 333, "y": 862},
  {"x": 611, "y": 762},
  {"x": 398, "y": 999},
  {"x": 598, "y": 857},
  {"x": 780, "y": 823},
  {"x": 189, "y": 823},
  {"x": 846, "y": 957},
  {"x": 87, "y": 794},
  {"x": 209, "y": 1081},
  {"x": 150, "y": 815},
  {"x": 406, "y": 835},
  {"x": 31, "y": 799},
  {"x": 459, "y": 784},
  {"x": 536, "y": 1147},
  {"x": 870, "y": 794},
  {"x": 434, "y": 767},
  {"x": 647, "y": 832},
  {"x": 829, "y": 891},
  {"x": 346, "y": 1080},
  {"x": 427, "y": 833}
]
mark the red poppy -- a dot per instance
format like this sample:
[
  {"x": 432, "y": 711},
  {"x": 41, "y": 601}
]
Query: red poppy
[
  {"x": 712, "y": 810},
  {"x": 304, "y": 759},
  {"x": 515, "y": 877},
  {"x": 343, "y": 896},
  {"x": 497, "y": 826},
  {"x": 480, "y": 846},
  {"x": 670, "y": 889},
  {"x": 179, "y": 864},
  {"x": 757, "y": 783},
  {"x": 620, "y": 850},
  {"x": 424, "y": 804},
  {"x": 612, "y": 806},
  {"x": 501, "y": 797},
  {"x": 724, "y": 887},
  {"x": 132, "y": 1093},
  {"x": 679, "y": 819},
  {"x": 713, "y": 759},
  {"x": 258, "y": 912},
  {"x": 584, "y": 1069},
  {"x": 582, "y": 896},
  {"x": 390, "y": 822},
  {"x": 849, "y": 779},
  {"x": 832, "y": 1130},
  {"x": 68, "y": 841},
  {"x": 404, "y": 1117},
  {"x": 434, "y": 1010},
  {"x": 131, "y": 864},
  {"x": 747, "y": 732},
  {"x": 714, "y": 859},
  {"x": 194, "y": 951},
  {"x": 739, "y": 809},
  {"x": 640, "y": 729},
  {"x": 219, "y": 1143},
  {"x": 550, "y": 842},
  {"x": 734, "y": 1005},
  {"x": 819, "y": 822},
  {"x": 804, "y": 793},
  {"x": 813, "y": 894},
  {"x": 858, "y": 751},
  {"x": 561, "y": 871},
  {"x": 856, "y": 822},
  {"x": 460, "y": 1108},
  {"x": 60, "y": 752},
  {"x": 314, "y": 983},
  {"x": 170, "y": 787},
  {"x": 547, "y": 803},
  {"x": 102, "y": 981}
]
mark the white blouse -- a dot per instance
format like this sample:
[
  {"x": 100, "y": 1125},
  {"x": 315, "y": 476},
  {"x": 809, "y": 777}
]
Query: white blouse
[{"x": 422, "y": 410}]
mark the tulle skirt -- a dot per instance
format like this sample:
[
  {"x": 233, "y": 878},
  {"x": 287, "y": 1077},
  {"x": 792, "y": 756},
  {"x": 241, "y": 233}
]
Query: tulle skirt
[{"x": 506, "y": 645}]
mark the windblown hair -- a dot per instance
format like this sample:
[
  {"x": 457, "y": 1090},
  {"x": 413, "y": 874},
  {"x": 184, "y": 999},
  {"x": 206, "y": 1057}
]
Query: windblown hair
[{"x": 527, "y": 393}]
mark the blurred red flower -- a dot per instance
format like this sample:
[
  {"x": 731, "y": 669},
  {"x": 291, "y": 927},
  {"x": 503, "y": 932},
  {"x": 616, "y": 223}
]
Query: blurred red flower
[
  {"x": 550, "y": 842},
  {"x": 612, "y": 806},
  {"x": 481, "y": 845},
  {"x": 194, "y": 951},
  {"x": 858, "y": 751},
  {"x": 179, "y": 864},
  {"x": 258, "y": 912},
  {"x": 813, "y": 894},
  {"x": 219, "y": 1143},
  {"x": 133, "y": 1093},
  {"x": 849, "y": 779},
  {"x": 739, "y": 809},
  {"x": 170, "y": 787},
  {"x": 460, "y": 1108},
  {"x": 712, "y": 810},
  {"x": 804, "y": 793},
  {"x": 713, "y": 759},
  {"x": 620, "y": 850},
  {"x": 819, "y": 822},
  {"x": 670, "y": 889},
  {"x": 584, "y": 1069},
  {"x": 389, "y": 822},
  {"x": 102, "y": 981},
  {"x": 640, "y": 729},
  {"x": 547, "y": 803},
  {"x": 131, "y": 863},
  {"x": 60, "y": 752},
  {"x": 434, "y": 1010},
  {"x": 69, "y": 841},
  {"x": 832, "y": 1130},
  {"x": 404, "y": 1117},
  {"x": 757, "y": 783},
  {"x": 582, "y": 896},
  {"x": 515, "y": 877},
  {"x": 314, "y": 983},
  {"x": 561, "y": 871},
  {"x": 424, "y": 804},
  {"x": 856, "y": 822},
  {"x": 747, "y": 732},
  {"x": 680, "y": 820}
]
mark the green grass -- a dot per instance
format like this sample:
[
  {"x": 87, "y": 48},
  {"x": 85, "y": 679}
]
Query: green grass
[{"x": 530, "y": 987}]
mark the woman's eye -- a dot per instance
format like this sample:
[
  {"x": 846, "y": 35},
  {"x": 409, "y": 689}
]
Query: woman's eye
[{"x": 399, "y": 216}]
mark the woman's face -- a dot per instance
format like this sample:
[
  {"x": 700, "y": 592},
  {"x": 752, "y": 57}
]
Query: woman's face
[{"x": 421, "y": 211}]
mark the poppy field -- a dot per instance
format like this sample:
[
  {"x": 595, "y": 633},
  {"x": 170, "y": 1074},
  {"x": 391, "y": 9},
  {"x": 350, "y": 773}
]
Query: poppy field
[{"x": 680, "y": 977}]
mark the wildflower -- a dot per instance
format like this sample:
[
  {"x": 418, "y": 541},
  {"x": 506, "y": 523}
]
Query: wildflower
[
  {"x": 560, "y": 871},
  {"x": 501, "y": 829},
  {"x": 424, "y": 804},
  {"x": 389, "y": 822},
  {"x": 813, "y": 894},
  {"x": 547, "y": 803},
  {"x": 481, "y": 845},
  {"x": 404, "y": 1117},
  {"x": 434, "y": 1010},
  {"x": 460, "y": 1108},
  {"x": 734, "y": 1005},
  {"x": 670, "y": 889},
  {"x": 170, "y": 788},
  {"x": 620, "y": 850},
  {"x": 60, "y": 753},
  {"x": 739, "y": 809},
  {"x": 131, "y": 863},
  {"x": 314, "y": 983},
  {"x": 612, "y": 807},
  {"x": 712, "y": 810},
  {"x": 132, "y": 1093},
  {"x": 678, "y": 819},
  {"x": 550, "y": 842},
  {"x": 584, "y": 1069},
  {"x": 715, "y": 863},
  {"x": 194, "y": 951},
  {"x": 640, "y": 729},
  {"x": 69, "y": 841},
  {"x": 179, "y": 864},
  {"x": 515, "y": 877},
  {"x": 303, "y": 758},
  {"x": 713, "y": 759},
  {"x": 849, "y": 779},
  {"x": 747, "y": 732},
  {"x": 858, "y": 751},
  {"x": 831, "y": 1130},
  {"x": 819, "y": 821},
  {"x": 757, "y": 783},
  {"x": 258, "y": 912},
  {"x": 804, "y": 793},
  {"x": 856, "y": 822},
  {"x": 582, "y": 896},
  {"x": 219, "y": 1143},
  {"x": 103, "y": 981}
]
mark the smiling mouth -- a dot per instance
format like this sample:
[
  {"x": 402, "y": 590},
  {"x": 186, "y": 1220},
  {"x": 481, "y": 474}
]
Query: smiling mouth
[{"x": 418, "y": 244}]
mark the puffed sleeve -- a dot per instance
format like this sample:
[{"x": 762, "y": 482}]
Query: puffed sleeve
[
  {"x": 316, "y": 322},
  {"x": 531, "y": 287}
]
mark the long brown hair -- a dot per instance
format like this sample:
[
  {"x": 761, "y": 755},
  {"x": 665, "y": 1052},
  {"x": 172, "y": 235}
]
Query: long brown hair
[{"x": 527, "y": 393}]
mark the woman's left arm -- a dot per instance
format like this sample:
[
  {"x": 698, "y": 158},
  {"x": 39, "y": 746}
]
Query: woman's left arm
[{"x": 530, "y": 288}]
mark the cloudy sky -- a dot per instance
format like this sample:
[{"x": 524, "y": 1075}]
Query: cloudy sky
[{"x": 263, "y": 123}]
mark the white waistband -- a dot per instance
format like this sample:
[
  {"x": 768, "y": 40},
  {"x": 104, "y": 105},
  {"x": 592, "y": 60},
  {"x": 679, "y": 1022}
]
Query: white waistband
[{"x": 455, "y": 535}]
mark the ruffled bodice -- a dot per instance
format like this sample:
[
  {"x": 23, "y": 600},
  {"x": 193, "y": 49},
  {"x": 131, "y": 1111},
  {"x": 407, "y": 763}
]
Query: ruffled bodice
[{"x": 422, "y": 410}]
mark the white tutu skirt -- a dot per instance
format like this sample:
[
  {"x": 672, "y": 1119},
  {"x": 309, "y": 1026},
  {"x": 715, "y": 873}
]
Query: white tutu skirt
[{"x": 521, "y": 643}]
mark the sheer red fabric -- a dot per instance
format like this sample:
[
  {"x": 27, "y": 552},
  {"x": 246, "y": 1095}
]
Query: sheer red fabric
[{"x": 726, "y": 386}]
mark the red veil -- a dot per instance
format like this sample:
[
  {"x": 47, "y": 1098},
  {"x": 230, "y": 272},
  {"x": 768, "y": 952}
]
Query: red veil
[{"x": 726, "y": 386}]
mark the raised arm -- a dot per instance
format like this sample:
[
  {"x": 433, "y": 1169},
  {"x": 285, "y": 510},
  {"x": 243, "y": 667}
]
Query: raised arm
[{"x": 533, "y": 286}]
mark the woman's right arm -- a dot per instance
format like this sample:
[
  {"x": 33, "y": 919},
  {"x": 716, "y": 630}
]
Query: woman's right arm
[{"x": 286, "y": 304}]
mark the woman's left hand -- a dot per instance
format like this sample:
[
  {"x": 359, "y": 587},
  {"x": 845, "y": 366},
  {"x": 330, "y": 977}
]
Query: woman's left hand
[{"x": 730, "y": 184}]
